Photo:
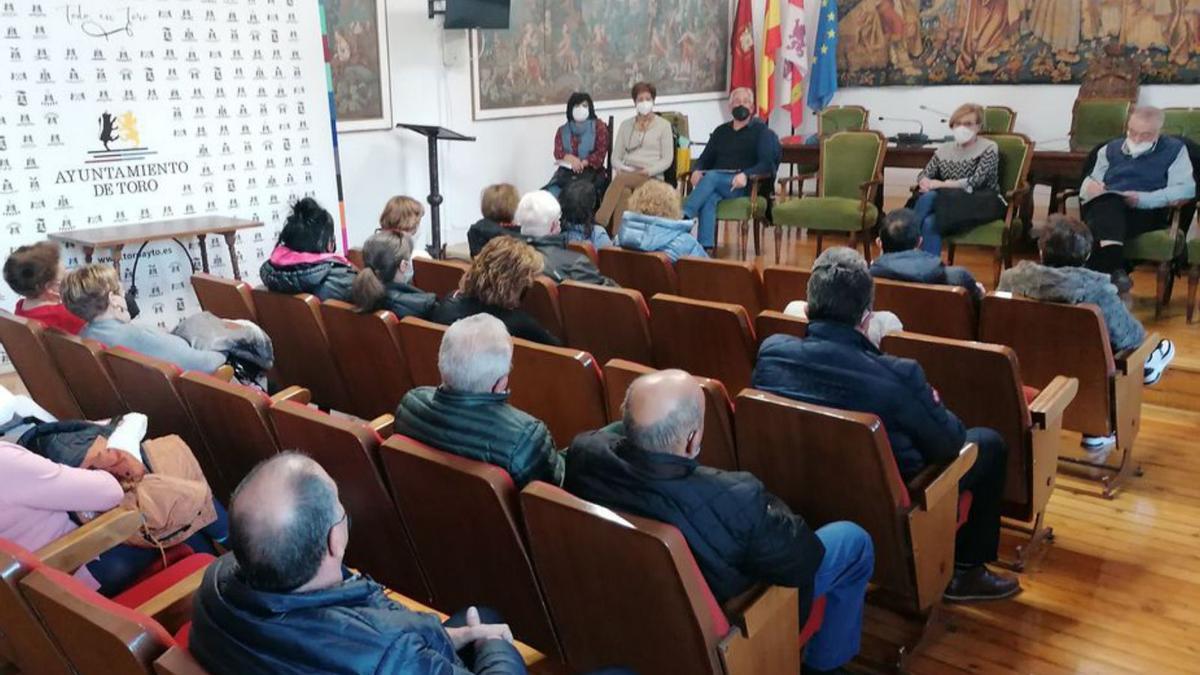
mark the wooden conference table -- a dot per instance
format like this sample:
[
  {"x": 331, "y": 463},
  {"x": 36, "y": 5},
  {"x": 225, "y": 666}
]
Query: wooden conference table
[
  {"x": 1056, "y": 168},
  {"x": 118, "y": 237}
]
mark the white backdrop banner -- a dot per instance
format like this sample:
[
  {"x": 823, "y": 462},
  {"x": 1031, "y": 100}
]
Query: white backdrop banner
[{"x": 144, "y": 110}]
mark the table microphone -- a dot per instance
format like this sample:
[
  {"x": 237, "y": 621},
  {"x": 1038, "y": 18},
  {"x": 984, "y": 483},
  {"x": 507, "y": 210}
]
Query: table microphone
[{"x": 908, "y": 138}]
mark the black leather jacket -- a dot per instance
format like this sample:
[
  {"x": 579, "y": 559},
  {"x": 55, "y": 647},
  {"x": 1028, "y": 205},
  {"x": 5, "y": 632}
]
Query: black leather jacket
[
  {"x": 563, "y": 264},
  {"x": 328, "y": 280}
]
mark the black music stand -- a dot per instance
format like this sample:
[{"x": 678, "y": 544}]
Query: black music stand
[{"x": 433, "y": 135}]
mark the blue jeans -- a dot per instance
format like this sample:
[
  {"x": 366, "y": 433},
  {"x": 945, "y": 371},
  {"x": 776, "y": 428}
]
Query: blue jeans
[
  {"x": 842, "y": 578},
  {"x": 924, "y": 209},
  {"x": 116, "y": 568},
  {"x": 702, "y": 203}
]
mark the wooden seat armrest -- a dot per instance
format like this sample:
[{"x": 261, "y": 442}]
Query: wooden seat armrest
[
  {"x": 867, "y": 185},
  {"x": 383, "y": 424},
  {"x": 1131, "y": 361},
  {"x": 72, "y": 550},
  {"x": 1063, "y": 196},
  {"x": 173, "y": 607},
  {"x": 224, "y": 373},
  {"x": 293, "y": 393},
  {"x": 763, "y": 634},
  {"x": 945, "y": 482},
  {"x": 177, "y": 661},
  {"x": 1017, "y": 193},
  {"x": 1047, "y": 409},
  {"x": 799, "y": 178}
]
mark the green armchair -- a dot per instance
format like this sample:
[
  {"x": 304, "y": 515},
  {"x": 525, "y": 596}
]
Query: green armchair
[
  {"x": 830, "y": 121},
  {"x": 742, "y": 210},
  {"x": 1016, "y": 155},
  {"x": 1096, "y": 120},
  {"x": 998, "y": 119},
  {"x": 1183, "y": 122},
  {"x": 850, "y": 172}
]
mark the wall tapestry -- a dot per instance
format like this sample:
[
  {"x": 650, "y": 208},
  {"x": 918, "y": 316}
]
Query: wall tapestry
[
  {"x": 359, "y": 57},
  {"x": 555, "y": 47},
  {"x": 882, "y": 42}
]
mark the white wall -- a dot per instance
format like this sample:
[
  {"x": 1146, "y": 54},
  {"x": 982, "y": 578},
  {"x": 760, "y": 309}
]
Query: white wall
[{"x": 431, "y": 84}]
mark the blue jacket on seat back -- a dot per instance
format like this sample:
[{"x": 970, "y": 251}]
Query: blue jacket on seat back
[
  {"x": 350, "y": 629},
  {"x": 837, "y": 366},
  {"x": 921, "y": 267},
  {"x": 640, "y": 232}
]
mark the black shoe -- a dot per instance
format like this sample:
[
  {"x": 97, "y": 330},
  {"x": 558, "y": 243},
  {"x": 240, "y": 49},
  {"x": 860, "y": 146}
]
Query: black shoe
[
  {"x": 978, "y": 583},
  {"x": 1122, "y": 281}
]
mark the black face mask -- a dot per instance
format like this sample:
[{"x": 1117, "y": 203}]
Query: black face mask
[{"x": 741, "y": 113}]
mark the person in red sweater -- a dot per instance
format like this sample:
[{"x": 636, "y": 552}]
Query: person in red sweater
[{"x": 36, "y": 272}]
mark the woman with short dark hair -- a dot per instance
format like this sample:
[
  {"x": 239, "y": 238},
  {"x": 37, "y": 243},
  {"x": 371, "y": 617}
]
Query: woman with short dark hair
[
  {"x": 580, "y": 147},
  {"x": 579, "y": 216},
  {"x": 643, "y": 149},
  {"x": 305, "y": 258}
]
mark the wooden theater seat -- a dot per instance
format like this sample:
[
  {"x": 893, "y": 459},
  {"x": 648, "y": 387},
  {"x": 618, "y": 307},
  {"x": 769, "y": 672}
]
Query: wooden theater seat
[
  {"x": 606, "y": 322},
  {"x": 719, "y": 450},
  {"x": 831, "y": 465},
  {"x": 24, "y": 640},
  {"x": 586, "y": 248},
  {"x": 149, "y": 387},
  {"x": 1053, "y": 339},
  {"x": 303, "y": 355},
  {"x": 783, "y": 284},
  {"x": 560, "y": 386},
  {"x": 22, "y": 339},
  {"x": 367, "y": 351},
  {"x": 626, "y": 591},
  {"x": 86, "y": 375},
  {"x": 649, "y": 273},
  {"x": 348, "y": 449},
  {"x": 769, "y": 322},
  {"x": 434, "y": 491},
  {"x": 981, "y": 384},
  {"x": 233, "y": 420},
  {"x": 541, "y": 302},
  {"x": 355, "y": 256},
  {"x": 931, "y": 309},
  {"x": 733, "y": 281},
  {"x": 439, "y": 277},
  {"x": 421, "y": 340},
  {"x": 713, "y": 339},
  {"x": 227, "y": 298}
]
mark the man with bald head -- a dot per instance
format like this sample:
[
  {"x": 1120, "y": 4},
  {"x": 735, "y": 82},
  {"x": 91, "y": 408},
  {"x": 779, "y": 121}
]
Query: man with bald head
[
  {"x": 283, "y": 602},
  {"x": 740, "y": 534}
]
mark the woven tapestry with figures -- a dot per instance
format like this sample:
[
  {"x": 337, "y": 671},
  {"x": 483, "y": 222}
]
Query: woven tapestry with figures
[{"x": 882, "y": 42}]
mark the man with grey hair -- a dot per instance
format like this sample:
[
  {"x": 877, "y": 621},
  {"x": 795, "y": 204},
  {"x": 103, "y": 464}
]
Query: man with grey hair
[
  {"x": 736, "y": 151},
  {"x": 469, "y": 414},
  {"x": 1130, "y": 189},
  {"x": 739, "y": 533},
  {"x": 540, "y": 218},
  {"x": 837, "y": 366},
  {"x": 283, "y": 602}
]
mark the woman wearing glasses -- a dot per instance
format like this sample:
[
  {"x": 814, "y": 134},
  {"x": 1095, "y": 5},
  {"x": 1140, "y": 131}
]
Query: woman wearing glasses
[{"x": 643, "y": 149}]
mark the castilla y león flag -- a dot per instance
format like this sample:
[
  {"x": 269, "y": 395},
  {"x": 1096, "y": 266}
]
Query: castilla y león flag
[
  {"x": 741, "y": 48},
  {"x": 795, "y": 59}
]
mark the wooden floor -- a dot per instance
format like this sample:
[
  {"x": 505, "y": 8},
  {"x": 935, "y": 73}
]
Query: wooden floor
[{"x": 1118, "y": 589}]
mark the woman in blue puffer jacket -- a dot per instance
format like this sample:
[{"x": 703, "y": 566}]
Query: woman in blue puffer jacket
[{"x": 654, "y": 222}]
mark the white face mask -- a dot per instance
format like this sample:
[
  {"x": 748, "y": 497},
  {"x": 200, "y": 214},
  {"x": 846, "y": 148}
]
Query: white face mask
[
  {"x": 645, "y": 107},
  {"x": 580, "y": 113},
  {"x": 963, "y": 134},
  {"x": 1136, "y": 149}
]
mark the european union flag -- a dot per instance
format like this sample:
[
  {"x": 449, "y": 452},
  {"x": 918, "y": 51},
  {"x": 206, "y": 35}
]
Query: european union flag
[{"x": 823, "y": 82}]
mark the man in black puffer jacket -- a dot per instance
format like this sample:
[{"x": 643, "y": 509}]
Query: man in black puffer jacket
[
  {"x": 283, "y": 602},
  {"x": 740, "y": 534},
  {"x": 540, "y": 218},
  {"x": 903, "y": 259}
]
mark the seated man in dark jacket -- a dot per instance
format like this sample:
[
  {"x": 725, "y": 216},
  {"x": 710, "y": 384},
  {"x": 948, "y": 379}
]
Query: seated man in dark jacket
[
  {"x": 837, "y": 366},
  {"x": 540, "y": 219},
  {"x": 903, "y": 259},
  {"x": 739, "y": 533},
  {"x": 283, "y": 602},
  {"x": 469, "y": 414}
]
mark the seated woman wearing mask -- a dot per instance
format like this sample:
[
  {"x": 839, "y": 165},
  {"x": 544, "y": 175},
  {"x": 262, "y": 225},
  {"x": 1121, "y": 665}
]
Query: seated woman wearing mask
[
  {"x": 385, "y": 281},
  {"x": 960, "y": 187},
  {"x": 580, "y": 146},
  {"x": 643, "y": 149}
]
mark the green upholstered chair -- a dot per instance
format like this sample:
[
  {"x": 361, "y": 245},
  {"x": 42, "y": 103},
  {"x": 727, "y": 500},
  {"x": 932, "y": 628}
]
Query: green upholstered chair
[
  {"x": 998, "y": 119},
  {"x": 1016, "y": 154},
  {"x": 740, "y": 209},
  {"x": 1193, "y": 262},
  {"x": 830, "y": 121},
  {"x": 1095, "y": 120},
  {"x": 851, "y": 171},
  {"x": 1182, "y": 122}
]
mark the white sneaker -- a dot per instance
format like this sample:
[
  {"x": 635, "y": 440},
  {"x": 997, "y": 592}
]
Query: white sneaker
[
  {"x": 1157, "y": 362},
  {"x": 1092, "y": 443}
]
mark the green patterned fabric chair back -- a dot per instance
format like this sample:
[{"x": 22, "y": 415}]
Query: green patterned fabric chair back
[
  {"x": 1015, "y": 155},
  {"x": 841, "y": 118},
  {"x": 998, "y": 119},
  {"x": 1096, "y": 120},
  {"x": 849, "y": 159},
  {"x": 1182, "y": 122},
  {"x": 678, "y": 120}
]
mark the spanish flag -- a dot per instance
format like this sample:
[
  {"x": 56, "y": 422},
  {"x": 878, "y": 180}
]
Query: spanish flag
[{"x": 772, "y": 41}]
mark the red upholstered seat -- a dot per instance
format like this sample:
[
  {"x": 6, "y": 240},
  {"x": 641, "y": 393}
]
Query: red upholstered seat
[
  {"x": 110, "y": 606},
  {"x": 184, "y": 634},
  {"x": 1030, "y": 393},
  {"x": 143, "y": 591},
  {"x": 169, "y": 557},
  {"x": 964, "y": 507},
  {"x": 816, "y": 616}
]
